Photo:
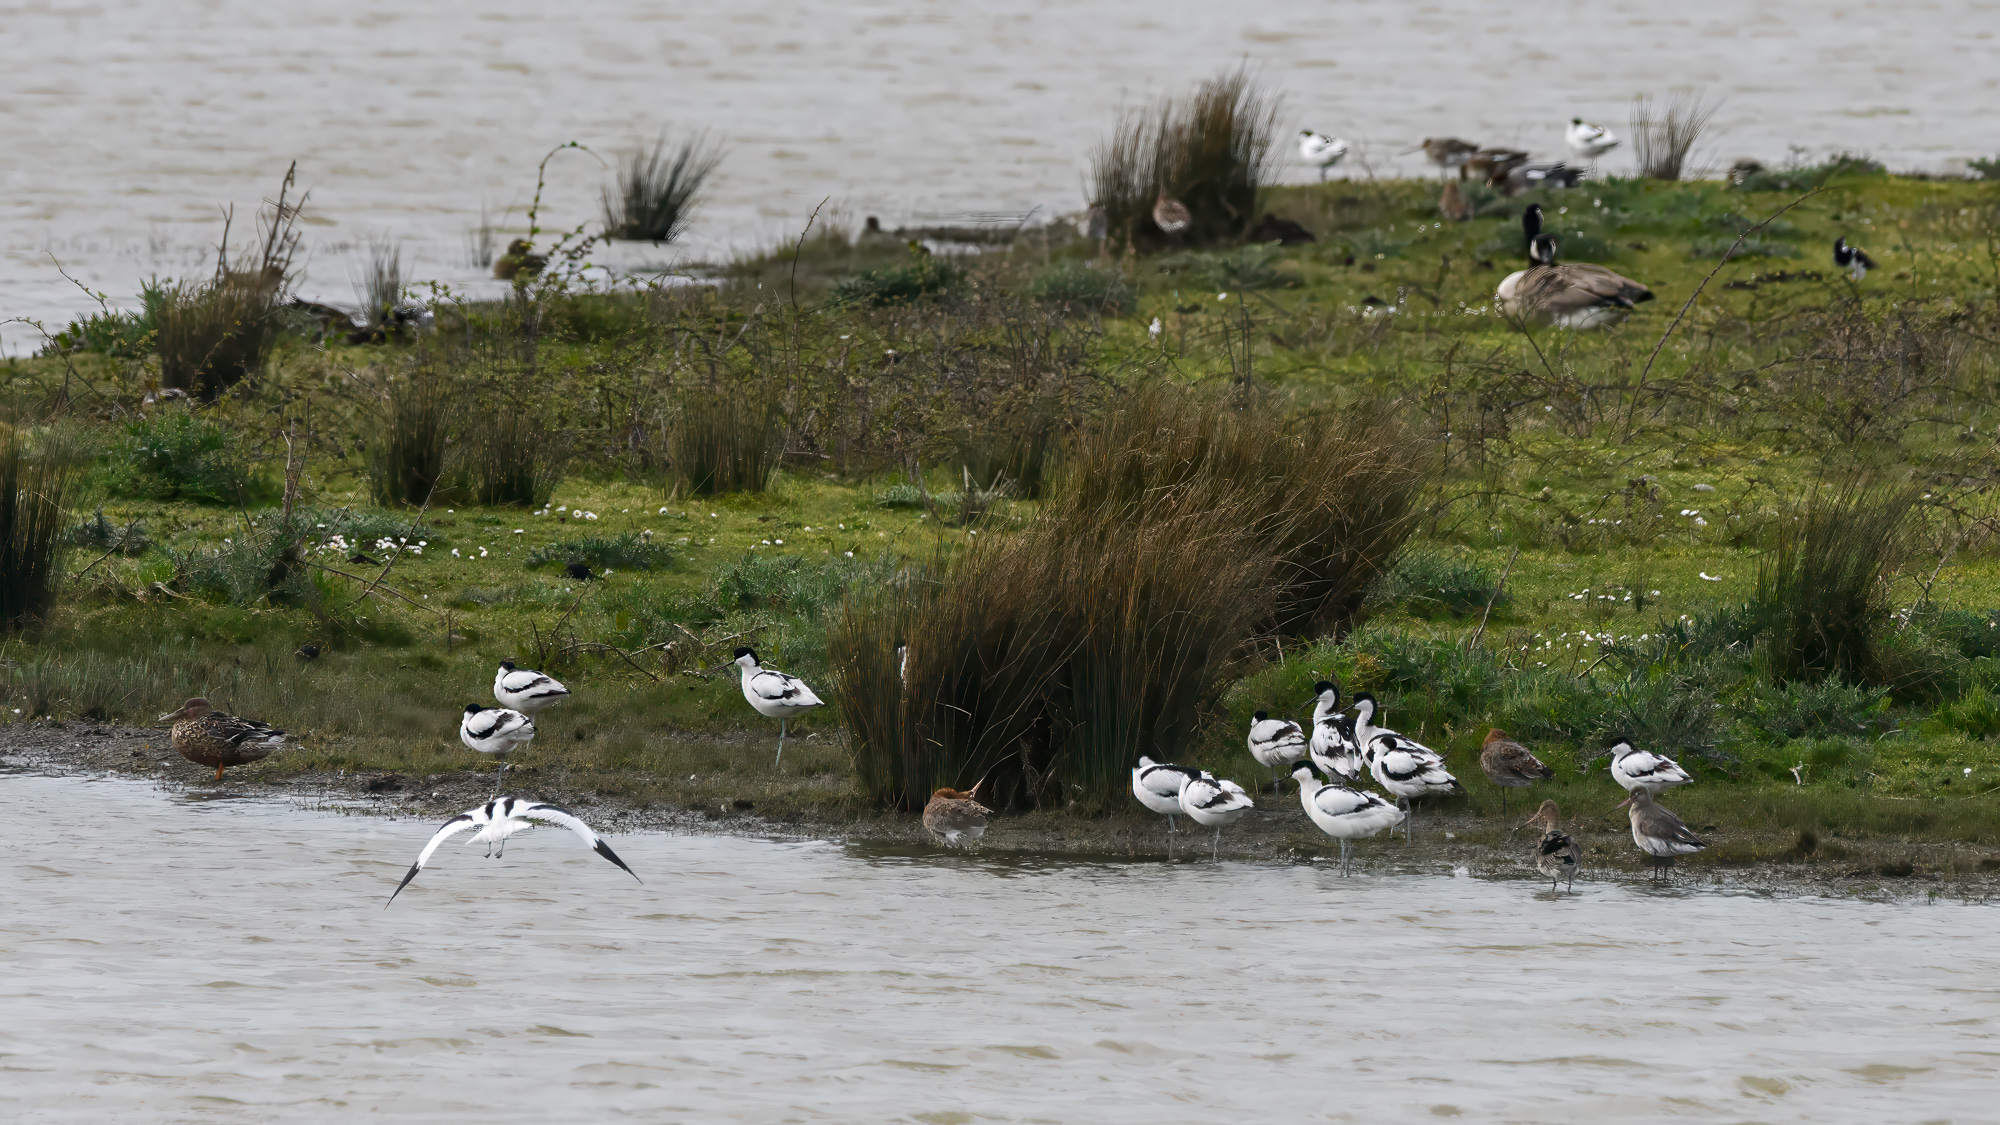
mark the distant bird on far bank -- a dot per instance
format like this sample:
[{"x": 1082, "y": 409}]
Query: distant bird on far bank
[
  {"x": 1333, "y": 747},
  {"x": 1528, "y": 177},
  {"x": 1658, "y": 832},
  {"x": 1342, "y": 812},
  {"x": 1556, "y": 854},
  {"x": 525, "y": 690},
  {"x": 519, "y": 263},
  {"x": 1321, "y": 151},
  {"x": 1171, "y": 215},
  {"x": 500, "y": 818},
  {"x": 1214, "y": 803},
  {"x": 1157, "y": 786},
  {"x": 1509, "y": 764},
  {"x": 208, "y": 737},
  {"x": 495, "y": 730},
  {"x": 1453, "y": 204},
  {"x": 1493, "y": 164},
  {"x": 1634, "y": 769},
  {"x": 1589, "y": 141},
  {"x": 1275, "y": 743},
  {"x": 1448, "y": 153},
  {"x": 952, "y": 814},
  {"x": 1853, "y": 259},
  {"x": 774, "y": 694}
]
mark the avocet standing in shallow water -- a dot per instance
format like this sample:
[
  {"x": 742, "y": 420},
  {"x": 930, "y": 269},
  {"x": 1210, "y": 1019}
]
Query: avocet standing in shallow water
[
  {"x": 1636, "y": 769},
  {"x": 1275, "y": 743},
  {"x": 1157, "y": 785},
  {"x": 1405, "y": 767},
  {"x": 525, "y": 690},
  {"x": 495, "y": 730},
  {"x": 1333, "y": 746},
  {"x": 774, "y": 694},
  {"x": 1213, "y": 803},
  {"x": 500, "y": 818},
  {"x": 1343, "y": 813}
]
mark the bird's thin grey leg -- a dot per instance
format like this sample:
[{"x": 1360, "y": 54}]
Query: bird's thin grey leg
[
  {"x": 781, "y": 743},
  {"x": 1215, "y": 849}
]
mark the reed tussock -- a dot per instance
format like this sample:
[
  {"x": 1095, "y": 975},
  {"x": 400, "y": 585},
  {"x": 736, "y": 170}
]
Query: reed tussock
[
  {"x": 1821, "y": 586},
  {"x": 722, "y": 442},
  {"x": 654, "y": 195},
  {"x": 406, "y": 462},
  {"x": 1662, "y": 140},
  {"x": 1211, "y": 150},
  {"x": 38, "y": 469}
]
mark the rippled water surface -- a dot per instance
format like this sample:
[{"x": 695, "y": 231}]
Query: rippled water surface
[
  {"x": 165, "y": 958},
  {"x": 124, "y": 123}
]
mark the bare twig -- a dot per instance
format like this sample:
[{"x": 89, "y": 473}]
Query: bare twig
[
  {"x": 796, "y": 248},
  {"x": 1497, "y": 587}
]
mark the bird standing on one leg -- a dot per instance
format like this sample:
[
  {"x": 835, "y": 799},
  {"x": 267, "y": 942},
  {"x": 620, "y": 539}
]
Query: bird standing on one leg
[
  {"x": 1342, "y": 812},
  {"x": 774, "y": 694},
  {"x": 1275, "y": 743},
  {"x": 1157, "y": 786},
  {"x": 1214, "y": 803}
]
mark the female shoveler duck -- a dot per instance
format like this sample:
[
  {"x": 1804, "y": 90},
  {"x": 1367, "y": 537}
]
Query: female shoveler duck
[
  {"x": 1157, "y": 785},
  {"x": 1333, "y": 747},
  {"x": 495, "y": 730},
  {"x": 1570, "y": 295},
  {"x": 208, "y": 737},
  {"x": 1275, "y": 743},
  {"x": 1556, "y": 854},
  {"x": 1321, "y": 151},
  {"x": 1213, "y": 803},
  {"x": 500, "y": 818},
  {"x": 1341, "y": 812},
  {"x": 1659, "y": 833},
  {"x": 1636, "y": 769},
  {"x": 952, "y": 814},
  {"x": 1405, "y": 767},
  {"x": 526, "y": 691},
  {"x": 774, "y": 694},
  {"x": 1509, "y": 765}
]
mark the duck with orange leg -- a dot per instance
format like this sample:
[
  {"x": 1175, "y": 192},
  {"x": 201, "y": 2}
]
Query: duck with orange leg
[{"x": 208, "y": 737}]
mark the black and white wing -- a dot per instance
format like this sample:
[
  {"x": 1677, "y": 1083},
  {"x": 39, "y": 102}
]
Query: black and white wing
[
  {"x": 452, "y": 827},
  {"x": 523, "y": 685},
  {"x": 776, "y": 687},
  {"x": 1339, "y": 800},
  {"x": 1164, "y": 781},
  {"x": 562, "y": 817},
  {"x": 496, "y": 723}
]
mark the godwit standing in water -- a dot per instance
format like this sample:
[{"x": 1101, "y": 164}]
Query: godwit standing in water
[
  {"x": 1556, "y": 854},
  {"x": 1659, "y": 833},
  {"x": 952, "y": 814}
]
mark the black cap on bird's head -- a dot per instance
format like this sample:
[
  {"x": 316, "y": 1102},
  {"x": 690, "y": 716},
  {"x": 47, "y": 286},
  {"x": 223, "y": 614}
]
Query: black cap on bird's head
[
  {"x": 507, "y": 664},
  {"x": 1531, "y": 221},
  {"x": 1363, "y": 697},
  {"x": 1302, "y": 767},
  {"x": 1324, "y": 686},
  {"x": 746, "y": 651},
  {"x": 1576, "y": 120},
  {"x": 1617, "y": 740},
  {"x": 473, "y": 708},
  {"x": 1261, "y": 716}
]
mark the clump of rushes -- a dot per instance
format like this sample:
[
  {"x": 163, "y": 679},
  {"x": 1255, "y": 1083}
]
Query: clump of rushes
[
  {"x": 407, "y": 459},
  {"x": 37, "y": 470},
  {"x": 722, "y": 442},
  {"x": 1820, "y": 587},
  {"x": 514, "y": 460},
  {"x": 1211, "y": 150},
  {"x": 212, "y": 334},
  {"x": 655, "y": 193},
  {"x": 630, "y": 551},
  {"x": 1662, "y": 141}
]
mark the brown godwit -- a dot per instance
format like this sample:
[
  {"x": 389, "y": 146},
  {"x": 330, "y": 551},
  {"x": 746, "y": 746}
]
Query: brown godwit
[
  {"x": 1556, "y": 854},
  {"x": 1509, "y": 765}
]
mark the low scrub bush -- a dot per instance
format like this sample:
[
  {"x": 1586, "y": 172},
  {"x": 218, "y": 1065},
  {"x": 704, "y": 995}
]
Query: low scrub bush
[
  {"x": 630, "y": 551},
  {"x": 925, "y": 276},
  {"x": 179, "y": 455},
  {"x": 1823, "y": 709},
  {"x": 1432, "y": 581},
  {"x": 785, "y": 583},
  {"x": 1085, "y": 288}
]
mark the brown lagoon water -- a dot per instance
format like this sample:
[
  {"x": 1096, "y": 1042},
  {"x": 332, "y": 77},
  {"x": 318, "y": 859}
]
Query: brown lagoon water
[
  {"x": 124, "y": 123},
  {"x": 168, "y": 958}
]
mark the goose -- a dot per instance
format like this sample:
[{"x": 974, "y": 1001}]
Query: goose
[
  {"x": 1637, "y": 769},
  {"x": 1404, "y": 767},
  {"x": 1573, "y": 296},
  {"x": 1170, "y": 214},
  {"x": 1658, "y": 832},
  {"x": 1453, "y": 205},
  {"x": 952, "y": 814},
  {"x": 526, "y": 691},
  {"x": 1853, "y": 259},
  {"x": 774, "y": 694},
  {"x": 1213, "y": 803},
  {"x": 1589, "y": 141},
  {"x": 1341, "y": 812},
  {"x": 1333, "y": 746},
  {"x": 500, "y": 818},
  {"x": 1275, "y": 742},
  {"x": 495, "y": 730},
  {"x": 1448, "y": 152},
  {"x": 1321, "y": 151},
  {"x": 1556, "y": 854},
  {"x": 208, "y": 737},
  {"x": 1509, "y": 765},
  {"x": 1157, "y": 785}
]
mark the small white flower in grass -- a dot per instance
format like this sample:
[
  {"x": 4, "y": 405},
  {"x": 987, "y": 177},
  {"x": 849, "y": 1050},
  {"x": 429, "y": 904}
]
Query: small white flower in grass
[
  {"x": 517, "y": 531},
  {"x": 1699, "y": 522},
  {"x": 849, "y": 554},
  {"x": 1652, "y": 593},
  {"x": 713, "y": 516},
  {"x": 781, "y": 542},
  {"x": 482, "y": 552},
  {"x": 1707, "y": 577},
  {"x": 454, "y": 552},
  {"x": 1968, "y": 771},
  {"x": 1222, "y": 296},
  {"x": 663, "y": 511},
  {"x": 563, "y": 508}
]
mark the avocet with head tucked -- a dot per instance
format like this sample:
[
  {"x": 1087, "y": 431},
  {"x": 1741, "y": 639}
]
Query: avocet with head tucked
[
  {"x": 1637, "y": 769},
  {"x": 1275, "y": 743},
  {"x": 500, "y": 818},
  {"x": 1333, "y": 746},
  {"x": 774, "y": 694},
  {"x": 1213, "y": 803},
  {"x": 526, "y": 691},
  {"x": 1405, "y": 767},
  {"x": 1321, "y": 151},
  {"x": 495, "y": 730},
  {"x": 1342, "y": 812},
  {"x": 1157, "y": 785},
  {"x": 1589, "y": 141}
]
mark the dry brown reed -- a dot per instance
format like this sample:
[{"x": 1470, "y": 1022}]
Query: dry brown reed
[
  {"x": 1663, "y": 140},
  {"x": 1210, "y": 149}
]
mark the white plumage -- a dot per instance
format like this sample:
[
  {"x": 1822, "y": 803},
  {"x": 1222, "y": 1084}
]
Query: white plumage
[
  {"x": 1589, "y": 141},
  {"x": 1275, "y": 743},
  {"x": 1213, "y": 803},
  {"x": 1853, "y": 259},
  {"x": 1637, "y": 769},
  {"x": 774, "y": 694},
  {"x": 525, "y": 690},
  {"x": 1404, "y": 767},
  {"x": 1333, "y": 747},
  {"x": 500, "y": 818},
  {"x": 1320, "y": 150},
  {"x": 495, "y": 730},
  {"x": 1157, "y": 785},
  {"x": 1343, "y": 813}
]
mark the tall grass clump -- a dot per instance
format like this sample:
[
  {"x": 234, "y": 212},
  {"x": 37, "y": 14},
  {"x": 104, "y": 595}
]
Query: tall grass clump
[
  {"x": 1211, "y": 150},
  {"x": 512, "y": 459},
  {"x": 720, "y": 442},
  {"x": 37, "y": 470},
  {"x": 1821, "y": 589},
  {"x": 381, "y": 284},
  {"x": 211, "y": 335},
  {"x": 1663, "y": 140},
  {"x": 654, "y": 195},
  {"x": 407, "y": 459}
]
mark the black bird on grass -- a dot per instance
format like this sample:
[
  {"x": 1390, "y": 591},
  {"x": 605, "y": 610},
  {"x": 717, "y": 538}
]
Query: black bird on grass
[
  {"x": 579, "y": 572},
  {"x": 1853, "y": 259}
]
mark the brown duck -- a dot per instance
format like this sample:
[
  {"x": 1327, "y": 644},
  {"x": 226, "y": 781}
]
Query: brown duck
[
  {"x": 208, "y": 737},
  {"x": 519, "y": 262},
  {"x": 953, "y": 814},
  {"x": 1509, "y": 765}
]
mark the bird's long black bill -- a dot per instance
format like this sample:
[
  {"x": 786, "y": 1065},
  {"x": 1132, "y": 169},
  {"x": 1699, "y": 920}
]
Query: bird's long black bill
[
  {"x": 414, "y": 868},
  {"x": 604, "y": 850}
]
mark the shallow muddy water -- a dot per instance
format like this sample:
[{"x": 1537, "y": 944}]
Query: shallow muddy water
[
  {"x": 125, "y": 123},
  {"x": 166, "y": 958}
]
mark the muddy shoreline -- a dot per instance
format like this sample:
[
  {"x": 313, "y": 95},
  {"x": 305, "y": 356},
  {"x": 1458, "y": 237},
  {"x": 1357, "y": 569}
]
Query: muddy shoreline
[{"x": 1447, "y": 842}]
